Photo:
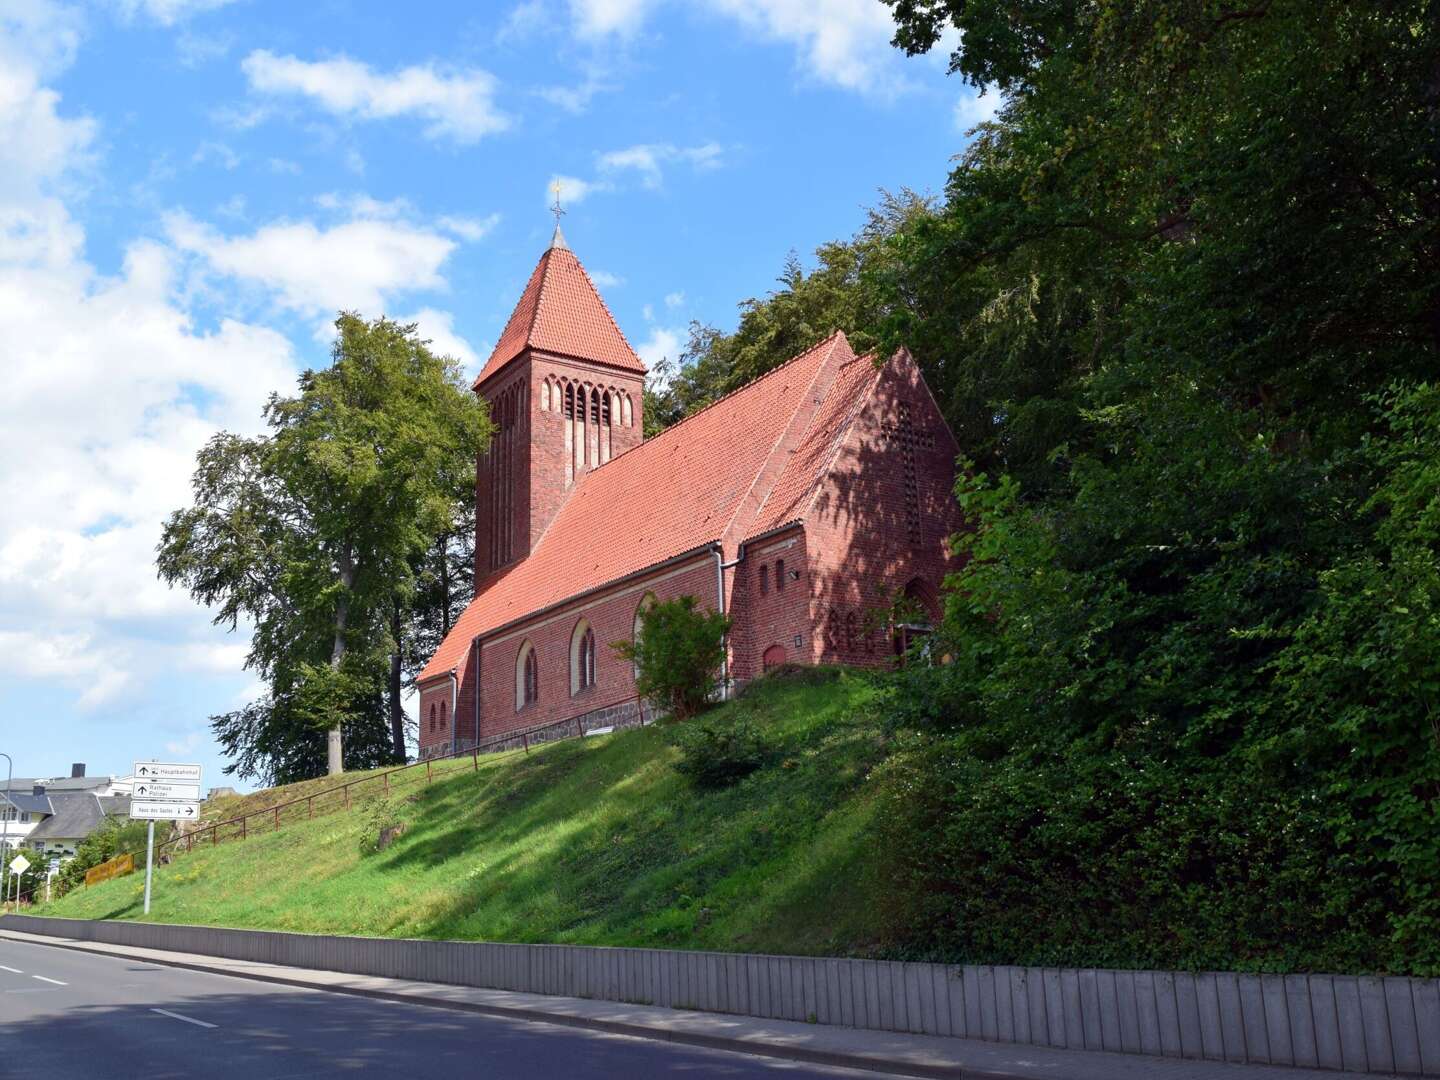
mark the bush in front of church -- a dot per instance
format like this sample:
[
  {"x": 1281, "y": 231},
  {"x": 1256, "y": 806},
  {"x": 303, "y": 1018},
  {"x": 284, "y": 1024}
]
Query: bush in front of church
[{"x": 678, "y": 653}]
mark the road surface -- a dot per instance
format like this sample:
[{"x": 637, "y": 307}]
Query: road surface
[{"x": 66, "y": 1015}]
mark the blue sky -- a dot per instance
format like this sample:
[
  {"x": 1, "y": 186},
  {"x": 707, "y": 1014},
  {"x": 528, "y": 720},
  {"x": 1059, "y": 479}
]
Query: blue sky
[{"x": 189, "y": 189}]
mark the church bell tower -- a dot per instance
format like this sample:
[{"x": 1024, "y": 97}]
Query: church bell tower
[{"x": 564, "y": 389}]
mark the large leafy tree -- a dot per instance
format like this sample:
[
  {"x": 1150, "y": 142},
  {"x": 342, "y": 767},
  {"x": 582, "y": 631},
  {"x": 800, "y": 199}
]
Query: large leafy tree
[
  {"x": 1178, "y": 307},
  {"x": 316, "y": 532}
]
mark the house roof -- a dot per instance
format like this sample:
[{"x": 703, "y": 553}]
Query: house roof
[
  {"x": 675, "y": 493},
  {"x": 26, "y": 801},
  {"x": 77, "y": 815},
  {"x": 561, "y": 312}
]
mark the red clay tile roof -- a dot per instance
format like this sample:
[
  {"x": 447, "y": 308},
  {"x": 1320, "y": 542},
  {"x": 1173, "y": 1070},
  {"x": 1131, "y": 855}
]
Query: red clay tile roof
[
  {"x": 672, "y": 494},
  {"x": 561, "y": 312},
  {"x": 793, "y": 493}
]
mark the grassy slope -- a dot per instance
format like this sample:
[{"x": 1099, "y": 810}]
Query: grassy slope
[{"x": 594, "y": 841}]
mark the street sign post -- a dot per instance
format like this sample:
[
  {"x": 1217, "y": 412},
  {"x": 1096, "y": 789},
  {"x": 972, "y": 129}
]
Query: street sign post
[
  {"x": 18, "y": 866},
  {"x": 164, "y": 791}
]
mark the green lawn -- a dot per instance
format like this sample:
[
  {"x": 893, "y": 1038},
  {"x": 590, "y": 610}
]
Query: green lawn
[{"x": 594, "y": 841}]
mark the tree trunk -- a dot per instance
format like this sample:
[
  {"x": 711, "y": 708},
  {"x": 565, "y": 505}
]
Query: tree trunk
[
  {"x": 397, "y": 714},
  {"x": 335, "y": 740}
]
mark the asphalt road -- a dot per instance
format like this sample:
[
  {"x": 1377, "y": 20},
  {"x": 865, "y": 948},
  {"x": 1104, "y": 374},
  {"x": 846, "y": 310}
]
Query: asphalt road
[{"x": 67, "y": 1014}]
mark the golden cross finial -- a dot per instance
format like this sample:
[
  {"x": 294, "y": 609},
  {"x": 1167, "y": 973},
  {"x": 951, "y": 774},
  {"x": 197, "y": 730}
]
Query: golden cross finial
[{"x": 557, "y": 210}]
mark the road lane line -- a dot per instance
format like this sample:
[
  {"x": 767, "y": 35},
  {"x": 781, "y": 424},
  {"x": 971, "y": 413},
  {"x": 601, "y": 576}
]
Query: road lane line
[
  {"x": 187, "y": 1019},
  {"x": 42, "y": 978},
  {"x": 16, "y": 971}
]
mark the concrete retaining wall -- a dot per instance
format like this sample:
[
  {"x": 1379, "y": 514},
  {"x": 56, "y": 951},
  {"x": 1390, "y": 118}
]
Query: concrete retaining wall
[{"x": 1376, "y": 1025}]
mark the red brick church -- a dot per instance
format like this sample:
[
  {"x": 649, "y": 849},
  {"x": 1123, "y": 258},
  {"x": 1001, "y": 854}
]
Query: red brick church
[{"x": 800, "y": 505}]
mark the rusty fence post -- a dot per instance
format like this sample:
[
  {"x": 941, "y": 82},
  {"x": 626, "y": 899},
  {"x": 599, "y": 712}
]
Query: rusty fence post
[
  {"x": 242, "y": 828},
  {"x": 475, "y": 758},
  {"x": 214, "y": 835},
  {"x": 310, "y": 806},
  {"x": 277, "y": 819},
  {"x": 386, "y": 777},
  {"x": 525, "y": 740},
  {"x": 427, "y": 771}
]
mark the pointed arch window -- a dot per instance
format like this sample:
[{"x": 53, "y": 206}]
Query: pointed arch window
[
  {"x": 527, "y": 677},
  {"x": 646, "y": 603},
  {"x": 569, "y": 401},
  {"x": 432, "y": 718},
  {"x": 582, "y": 657},
  {"x": 779, "y": 575}
]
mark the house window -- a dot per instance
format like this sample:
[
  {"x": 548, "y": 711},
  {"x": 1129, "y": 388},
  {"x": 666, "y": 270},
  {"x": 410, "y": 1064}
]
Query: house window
[
  {"x": 442, "y": 716},
  {"x": 779, "y": 575},
  {"x": 527, "y": 677},
  {"x": 582, "y": 657},
  {"x": 764, "y": 579}
]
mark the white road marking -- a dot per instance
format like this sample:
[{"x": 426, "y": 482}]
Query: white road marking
[
  {"x": 42, "y": 978},
  {"x": 16, "y": 971},
  {"x": 187, "y": 1019}
]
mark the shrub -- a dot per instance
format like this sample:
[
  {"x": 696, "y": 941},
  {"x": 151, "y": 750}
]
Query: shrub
[
  {"x": 677, "y": 655},
  {"x": 715, "y": 755}
]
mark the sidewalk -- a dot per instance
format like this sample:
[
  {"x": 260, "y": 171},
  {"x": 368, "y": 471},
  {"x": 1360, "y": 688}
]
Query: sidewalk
[{"x": 875, "y": 1051}]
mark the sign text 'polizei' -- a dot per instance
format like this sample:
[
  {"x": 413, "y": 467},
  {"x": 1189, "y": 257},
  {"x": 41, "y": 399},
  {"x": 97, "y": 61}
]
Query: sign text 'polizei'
[{"x": 156, "y": 791}]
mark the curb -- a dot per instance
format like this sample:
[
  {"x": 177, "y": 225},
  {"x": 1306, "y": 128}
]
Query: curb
[{"x": 613, "y": 1027}]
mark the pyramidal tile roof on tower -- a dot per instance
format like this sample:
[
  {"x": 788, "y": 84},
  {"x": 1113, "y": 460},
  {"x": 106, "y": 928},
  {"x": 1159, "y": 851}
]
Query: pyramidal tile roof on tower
[
  {"x": 560, "y": 311},
  {"x": 678, "y": 491}
]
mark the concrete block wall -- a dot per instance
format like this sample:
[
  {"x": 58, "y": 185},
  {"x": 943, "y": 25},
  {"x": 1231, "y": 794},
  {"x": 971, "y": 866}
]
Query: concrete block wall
[{"x": 1346, "y": 1023}]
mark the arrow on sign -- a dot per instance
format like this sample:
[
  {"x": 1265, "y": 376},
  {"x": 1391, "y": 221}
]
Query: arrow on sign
[{"x": 144, "y": 771}]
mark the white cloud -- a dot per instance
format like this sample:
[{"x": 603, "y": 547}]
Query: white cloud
[
  {"x": 972, "y": 108},
  {"x": 524, "y": 21},
  {"x": 168, "y": 12},
  {"x": 110, "y": 389},
  {"x": 662, "y": 343},
  {"x": 573, "y": 190},
  {"x": 458, "y": 106},
  {"x": 315, "y": 270},
  {"x": 647, "y": 159},
  {"x": 674, "y": 299},
  {"x": 218, "y": 152},
  {"x": 648, "y": 312},
  {"x": 468, "y": 228},
  {"x": 598, "y": 18},
  {"x": 439, "y": 328},
  {"x": 606, "y": 280},
  {"x": 577, "y": 98},
  {"x": 842, "y": 42}
]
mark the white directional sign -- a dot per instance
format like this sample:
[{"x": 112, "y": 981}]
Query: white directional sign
[
  {"x": 163, "y": 811},
  {"x": 157, "y": 791},
  {"x": 19, "y": 864},
  {"x": 167, "y": 770}
]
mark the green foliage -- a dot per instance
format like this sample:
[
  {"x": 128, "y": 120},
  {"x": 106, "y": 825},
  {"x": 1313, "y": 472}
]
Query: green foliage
[
  {"x": 114, "y": 837},
  {"x": 677, "y": 655},
  {"x": 325, "y": 535},
  {"x": 1177, "y": 307},
  {"x": 716, "y": 753}
]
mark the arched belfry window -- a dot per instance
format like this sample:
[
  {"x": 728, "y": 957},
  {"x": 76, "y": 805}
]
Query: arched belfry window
[
  {"x": 625, "y": 410},
  {"x": 569, "y": 401},
  {"x": 432, "y": 718},
  {"x": 527, "y": 677},
  {"x": 646, "y": 602},
  {"x": 582, "y": 657},
  {"x": 545, "y": 396}
]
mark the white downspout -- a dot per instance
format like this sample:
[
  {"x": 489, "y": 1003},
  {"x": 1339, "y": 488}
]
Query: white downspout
[{"x": 454, "y": 720}]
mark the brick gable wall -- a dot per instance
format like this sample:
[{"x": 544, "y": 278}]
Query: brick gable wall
[{"x": 881, "y": 518}]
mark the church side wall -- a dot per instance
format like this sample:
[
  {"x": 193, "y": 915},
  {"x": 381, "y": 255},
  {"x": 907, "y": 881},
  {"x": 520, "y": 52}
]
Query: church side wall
[
  {"x": 778, "y": 620},
  {"x": 881, "y": 519},
  {"x": 612, "y": 616}
]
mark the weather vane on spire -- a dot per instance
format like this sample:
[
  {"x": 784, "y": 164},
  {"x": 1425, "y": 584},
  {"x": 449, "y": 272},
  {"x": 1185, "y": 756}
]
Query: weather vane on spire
[
  {"x": 557, "y": 209},
  {"x": 558, "y": 240}
]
